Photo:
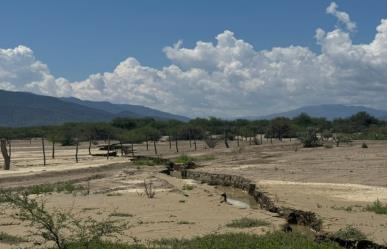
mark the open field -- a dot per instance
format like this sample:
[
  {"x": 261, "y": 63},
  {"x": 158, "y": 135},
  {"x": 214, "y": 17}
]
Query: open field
[{"x": 336, "y": 183}]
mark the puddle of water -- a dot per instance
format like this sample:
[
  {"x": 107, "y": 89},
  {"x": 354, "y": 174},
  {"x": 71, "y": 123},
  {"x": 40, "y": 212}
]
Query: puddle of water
[{"x": 238, "y": 198}]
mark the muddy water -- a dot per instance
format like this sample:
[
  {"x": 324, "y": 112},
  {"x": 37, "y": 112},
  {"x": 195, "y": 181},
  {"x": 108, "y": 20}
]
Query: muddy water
[{"x": 238, "y": 197}]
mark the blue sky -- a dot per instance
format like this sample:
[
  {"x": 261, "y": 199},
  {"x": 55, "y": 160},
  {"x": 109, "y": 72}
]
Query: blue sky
[
  {"x": 77, "y": 38},
  {"x": 198, "y": 58}
]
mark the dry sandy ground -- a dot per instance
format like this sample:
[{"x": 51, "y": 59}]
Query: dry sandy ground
[
  {"x": 173, "y": 213},
  {"x": 326, "y": 181}
]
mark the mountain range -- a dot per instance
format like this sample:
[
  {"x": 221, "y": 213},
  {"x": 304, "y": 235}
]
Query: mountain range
[
  {"x": 330, "y": 112},
  {"x": 18, "y": 109}
]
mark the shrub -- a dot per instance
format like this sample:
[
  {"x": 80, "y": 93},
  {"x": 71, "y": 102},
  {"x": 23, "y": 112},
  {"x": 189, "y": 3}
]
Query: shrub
[
  {"x": 350, "y": 233},
  {"x": 67, "y": 140},
  {"x": 188, "y": 187},
  {"x": 149, "y": 161},
  {"x": 364, "y": 145},
  {"x": 10, "y": 239},
  {"x": 309, "y": 139},
  {"x": 211, "y": 142},
  {"x": 341, "y": 138},
  {"x": 377, "y": 207},
  {"x": 247, "y": 223},
  {"x": 184, "y": 159},
  {"x": 59, "y": 228}
]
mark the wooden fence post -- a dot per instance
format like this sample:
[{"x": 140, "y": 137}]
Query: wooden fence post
[
  {"x": 76, "y": 150},
  {"x": 108, "y": 148},
  {"x": 154, "y": 145},
  {"x": 7, "y": 158},
  {"x": 44, "y": 152},
  {"x": 53, "y": 150}
]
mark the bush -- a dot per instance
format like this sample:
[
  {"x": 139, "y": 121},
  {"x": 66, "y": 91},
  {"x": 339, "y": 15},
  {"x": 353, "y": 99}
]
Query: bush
[
  {"x": 247, "y": 223},
  {"x": 309, "y": 139},
  {"x": 350, "y": 233},
  {"x": 377, "y": 207},
  {"x": 149, "y": 161},
  {"x": 59, "y": 228},
  {"x": 341, "y": 138},
  {"x": 364, "y": 145},
  {"x": 10, "y": 239},
  {"x": 211, "y": 142},
  {"x": 67, "y": 141},
  {"x": 184, "y": 159}
]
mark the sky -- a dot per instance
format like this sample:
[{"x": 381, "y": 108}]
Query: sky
[{"x": 198, "y": 58}]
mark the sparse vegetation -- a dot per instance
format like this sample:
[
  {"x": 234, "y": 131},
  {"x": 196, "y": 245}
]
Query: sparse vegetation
[
  {"x": 120, "y": 214},
  {"x": 350, "y": 233},
  {"x": 204, "y": 158},
  {"x": 184, "y": 159},
  {"x": 277, "y": 240},
  {"x": 148, "y": 189},
  {"x": 188, "y": 187},
  {"x": 309, "y": 138},
  {"x": 211, "y": 142},
  {"x": 184, "y": 222},
  {"x": 114, "y": 194},
  {"x": 66, "y": 187},
  {"x": 347, "y": 209},
  {"x": 59, "y": 228},
  {"x": 7, "y": 238},
  {"x": 377, "y": 207},
  {"x": 149, "y": 161},
  {"x": 247, "y": 223}
]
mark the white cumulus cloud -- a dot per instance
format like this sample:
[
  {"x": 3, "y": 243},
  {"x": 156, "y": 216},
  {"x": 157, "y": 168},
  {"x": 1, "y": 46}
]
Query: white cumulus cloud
[
  {"x": 341, "y": 16},
  {"x": 227, "y": 77}
]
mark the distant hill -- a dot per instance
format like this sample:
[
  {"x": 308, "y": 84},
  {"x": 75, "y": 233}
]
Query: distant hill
[
  {"x": 327, "y": 111},
  {"x": 126, "y": 110},
  {"x": 19, "y": 109}
]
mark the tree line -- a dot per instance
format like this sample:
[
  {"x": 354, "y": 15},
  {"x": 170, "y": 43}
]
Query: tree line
[{"x": 132, "y": 130}]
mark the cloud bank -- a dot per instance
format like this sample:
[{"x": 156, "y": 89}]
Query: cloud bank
[{"x": 227, "y": 77}]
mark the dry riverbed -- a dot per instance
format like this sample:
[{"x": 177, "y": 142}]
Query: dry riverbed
[{"x": 336, "y": 183}]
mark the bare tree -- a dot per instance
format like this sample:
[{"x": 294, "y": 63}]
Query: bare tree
[
  {"x": 122, "y": 149},
  {"x": 225, "y": 139},
  {"x": 6, "y": 156},
  {"x": 189, "y": 137},
  {"x": 90, "y": 145},
  {"x": 44, "y": 152},
  {"x": 238, "y": 138},
  {"x": 53, "y": 150},
  {"x": 176, "y": 145},
  {"x": 76, "y": 149},
  {"x": 9, "y": 148},
  {"x": 154, "y": 145},
  {"x": 108, "y": 148}
]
